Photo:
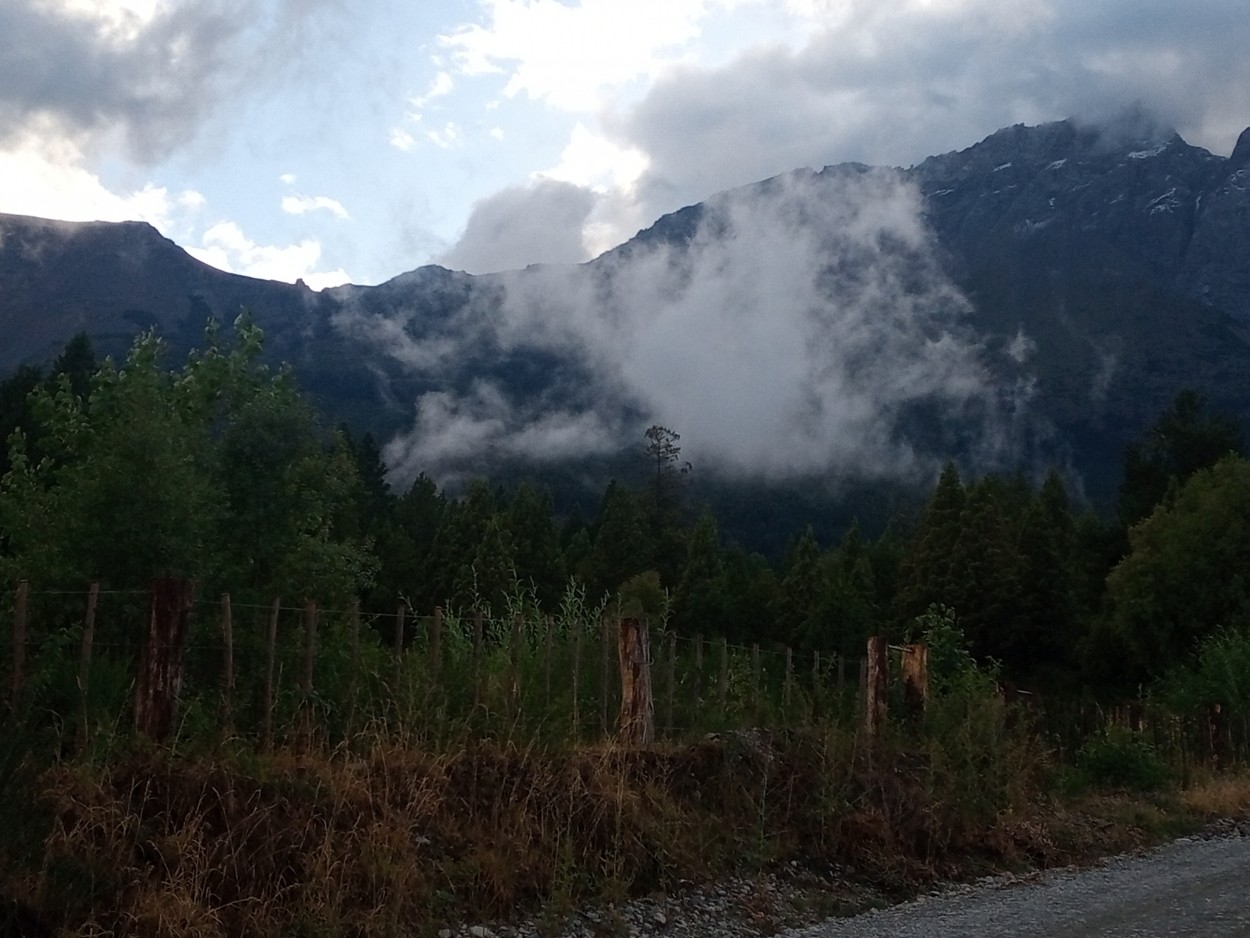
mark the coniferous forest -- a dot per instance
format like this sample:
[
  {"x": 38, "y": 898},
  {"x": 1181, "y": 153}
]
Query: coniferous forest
[
  {"x": 217, "y": 470},
  {"x": 399, "y": 709}
]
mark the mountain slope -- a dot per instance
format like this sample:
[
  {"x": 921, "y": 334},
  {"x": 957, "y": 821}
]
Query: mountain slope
[{"x": 1034, "y": 299}]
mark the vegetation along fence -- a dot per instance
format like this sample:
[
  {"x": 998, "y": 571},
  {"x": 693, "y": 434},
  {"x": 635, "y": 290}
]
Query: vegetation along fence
[
  {"x": 94, "y": 663},
  {"x": 98, "y": 662}
]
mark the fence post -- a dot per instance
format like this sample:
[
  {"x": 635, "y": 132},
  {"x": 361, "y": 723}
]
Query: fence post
[
  {"x": 723, "y": 688},
  {"x": 271, "y": 654},
  {"x": 548, "y": 629},
  {"x": 755, "y": 683},
  {"x": 577, "y": 670},
  {"x": 672, "y": 682},
  {"x": 397, "y": 645},
  {"x": 816, "y": 687},
  {"x": 875, "y": 685},
  {"x": 697, "y": 689},
  {"x": 84, "y": 662},
  {"x": 436, "y": 649},
  {"x": 227, "y": 662},
  {"x": 786, "y": 687},
  {"x": 19, "y": 642},
  {"x": 306, "y": 677},
  {"x": 477, "y": 658},
  {"x": 604, "y": 638},
  {"x": 637, "y": 721},
  {"x": 915, "y": 668},
  {"x": 514, "y": 669},
  {"x": 160, "y": 662},
  {"x": 353, "y": 672}
]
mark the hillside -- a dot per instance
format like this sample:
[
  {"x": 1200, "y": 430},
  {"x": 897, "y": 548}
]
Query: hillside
[{"x": 1033, "y": 300}]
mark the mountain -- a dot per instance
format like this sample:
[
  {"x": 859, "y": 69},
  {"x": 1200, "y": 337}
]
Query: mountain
[{"x": 1035, "y": 299}]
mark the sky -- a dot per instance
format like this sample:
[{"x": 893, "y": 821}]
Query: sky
[{"x": 352, "y": 140}]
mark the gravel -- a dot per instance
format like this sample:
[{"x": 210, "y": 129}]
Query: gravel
[{"x": 1192, "y": 887}]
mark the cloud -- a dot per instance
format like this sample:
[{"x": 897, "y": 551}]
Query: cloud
[
  {"x": 537, "y": 224},
  {"x": 227, "y": 248},
  {"x": 45, "y": 177},
  {"x": 801, "y": 329},
  {"x": 894, "y": 82},
  {"x": 570, "y": 54},
  {"x": 149, "y": 71},
  {"x": 302, "y": 204}
]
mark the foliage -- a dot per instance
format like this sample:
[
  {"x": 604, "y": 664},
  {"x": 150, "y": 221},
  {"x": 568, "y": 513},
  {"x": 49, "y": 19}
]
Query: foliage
[
  {"x": 1122, "y": 758},
  {"x": 1187, "y": 572},
  {"x": 1217, "y": 673}
]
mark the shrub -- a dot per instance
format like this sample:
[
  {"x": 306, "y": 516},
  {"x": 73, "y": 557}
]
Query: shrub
[{"x": 1121, "y": 758}]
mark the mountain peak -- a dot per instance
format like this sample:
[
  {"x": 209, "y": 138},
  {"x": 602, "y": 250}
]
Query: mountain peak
[{"x": 1241, "y": 152}]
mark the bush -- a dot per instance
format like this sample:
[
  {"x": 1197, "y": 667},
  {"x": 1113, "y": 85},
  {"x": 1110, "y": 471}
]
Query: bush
[{"x": 1121, "y": 758}]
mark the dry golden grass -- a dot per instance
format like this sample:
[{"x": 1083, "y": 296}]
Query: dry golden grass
[{"x": 1218, "y": 796}]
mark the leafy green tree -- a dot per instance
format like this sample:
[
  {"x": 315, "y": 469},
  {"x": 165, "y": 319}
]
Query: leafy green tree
[{"x": 1187, "y": 572}]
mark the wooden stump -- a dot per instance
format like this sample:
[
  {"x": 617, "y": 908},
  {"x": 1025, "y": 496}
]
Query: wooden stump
[
  {"x": 875, "y": 686},
  {"x": 160, "y": 663},
  {"x": 637, "y": 724}
]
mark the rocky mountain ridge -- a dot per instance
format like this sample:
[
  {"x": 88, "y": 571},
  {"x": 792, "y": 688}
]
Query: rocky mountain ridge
[{"x": 1085, "y": 274}]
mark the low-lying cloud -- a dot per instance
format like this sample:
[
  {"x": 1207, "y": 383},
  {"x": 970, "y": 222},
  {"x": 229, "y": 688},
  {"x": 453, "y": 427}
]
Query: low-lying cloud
[{"x": 794, "y": 333}]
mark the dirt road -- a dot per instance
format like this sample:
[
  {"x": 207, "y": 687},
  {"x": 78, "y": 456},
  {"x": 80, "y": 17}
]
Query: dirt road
[{"x": 1194, "y": 887}]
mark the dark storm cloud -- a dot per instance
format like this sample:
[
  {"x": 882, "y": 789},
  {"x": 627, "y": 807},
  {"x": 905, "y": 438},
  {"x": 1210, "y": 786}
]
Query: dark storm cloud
[
  {"x": 64, "y": 71},
  {"x": 888, "y": 86}
]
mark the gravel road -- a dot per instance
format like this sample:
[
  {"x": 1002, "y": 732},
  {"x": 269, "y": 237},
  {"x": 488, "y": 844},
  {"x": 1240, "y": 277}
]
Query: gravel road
[{"x": 1193, "y": 887}]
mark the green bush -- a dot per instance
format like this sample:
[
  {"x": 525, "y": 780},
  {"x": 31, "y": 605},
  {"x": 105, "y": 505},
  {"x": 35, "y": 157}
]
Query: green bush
[{"x": 1121, "y": 758}]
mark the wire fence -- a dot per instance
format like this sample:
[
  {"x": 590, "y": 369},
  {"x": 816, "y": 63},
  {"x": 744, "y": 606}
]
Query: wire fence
[{"x": 278, "y": 673}]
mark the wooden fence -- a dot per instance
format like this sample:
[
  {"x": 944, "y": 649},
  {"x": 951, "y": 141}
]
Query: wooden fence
[{"x": 290, "y": 673}]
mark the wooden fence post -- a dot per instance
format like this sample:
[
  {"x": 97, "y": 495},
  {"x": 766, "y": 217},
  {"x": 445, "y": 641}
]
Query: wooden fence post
[
  {"x": 637, "y": 721},
  {"x": 577, "y": 670},
  {"x": 548, "y": 639},
  {"x": 816, "y": 686},
  {"x": 436, "y": 646},
  {"x": 227, "y": 662},
  {"x": 915, "y": 668},
  {"x": 84, "y": 663},
  {"x": 723, "y": 684},
  {"x": 514, "y": 668},
  {"x": 271, "y": 656},
  {"x": 786, "y": 685},
  {"x": 397, "y": 644},
  {"x": 697, "y": 688},
  {"x": 160, "y": 662},
  {"x": 604, "y": 638},
  {"x": 477, "y": 658},
  {"x": 19, "y": 642},
  {"x": 353, "y": 667},
  {"x": 306, "y": 677},
  {"x": 672, "y": 682},
  {"x": 755, "y": 683},
  {"x": 875, "y": 685}
]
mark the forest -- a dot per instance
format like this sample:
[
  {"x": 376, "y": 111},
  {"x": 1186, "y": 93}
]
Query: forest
[{"x": 217, "y": 470}]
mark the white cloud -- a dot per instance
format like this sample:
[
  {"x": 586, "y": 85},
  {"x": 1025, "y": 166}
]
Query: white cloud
[
  {"x": 302, "y": 204},
  {"x": 538, "y": 224},
  {"x": 446, "y": 138},
  {"x": 227, "y": 248},
  {"x": 46, "y": 178},
  {"x": 569, "y": 55},
  {"x": 401, "y": 140}
]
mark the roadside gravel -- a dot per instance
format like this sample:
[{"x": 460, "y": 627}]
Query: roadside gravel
[{"x": 1196, "y": 886}]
